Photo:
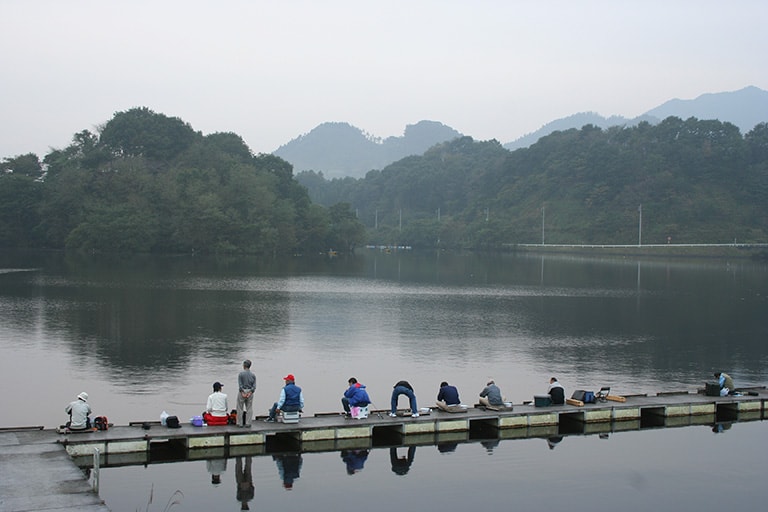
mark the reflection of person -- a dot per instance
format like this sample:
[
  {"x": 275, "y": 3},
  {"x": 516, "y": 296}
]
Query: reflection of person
[
  {"x": 556, "y": 392},
  {"x": 490, "y": 445},
  {"x": 354, "y": 459},
  {"x": 354, "y": 396},
  {"x": 447, "y": 447},
  {"x": 401, "y": 465},
  {"x": 726, "y": 383},
  {"x": 244, "y": 479},
  {"x": 78, "y": 411},
  {"x": 291, "y": 398},
  {"x": 289, "y": 467},
  {"x": 553, "y": 441},
  {"x": 719, "y": 428},
  {"x": 447, "y": 397},
  {"x": 216, "y": 467},
  {"x": 216, "y": 407},
  {"x": 490, "y": 396},
  {"x": 246, "y": 382},
  {"x": 403, "y": 388}
]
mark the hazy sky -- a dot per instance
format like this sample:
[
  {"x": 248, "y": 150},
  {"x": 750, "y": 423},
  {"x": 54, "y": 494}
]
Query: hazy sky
[{"x": 271, "y": 71}]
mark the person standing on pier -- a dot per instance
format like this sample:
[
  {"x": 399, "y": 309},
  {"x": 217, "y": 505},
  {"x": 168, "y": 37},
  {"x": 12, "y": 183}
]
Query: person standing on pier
[
  {"x": 246, "y": 382},
  {"x": 726, "y": 383},
  {"x": 403, "y": 388},
  {"x": 291, "y": 399},
  {"x": 78, "y": 413},
  {"x": 491, "y": 397},
  {"x": 556, "y": 392}
]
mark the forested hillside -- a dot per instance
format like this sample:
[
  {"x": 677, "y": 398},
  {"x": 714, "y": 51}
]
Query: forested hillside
[
  {"x": 150, "y": 183},
  {"x": 697, "y": 181}
]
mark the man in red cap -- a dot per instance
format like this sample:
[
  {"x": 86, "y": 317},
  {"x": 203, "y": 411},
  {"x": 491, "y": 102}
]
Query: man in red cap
[{"x": 291, "y": 398}]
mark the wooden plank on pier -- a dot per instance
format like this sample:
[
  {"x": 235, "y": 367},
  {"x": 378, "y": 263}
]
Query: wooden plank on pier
[
  {"x": 615, "y": 398},
  {"x": 573, "y": 401}
]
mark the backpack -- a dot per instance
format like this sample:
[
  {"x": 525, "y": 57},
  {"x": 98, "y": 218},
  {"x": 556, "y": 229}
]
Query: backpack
[
  {"x": 172, "y": 422},
  {"x": 100, "y": 423},
  {"x": 589, "y": 397}
]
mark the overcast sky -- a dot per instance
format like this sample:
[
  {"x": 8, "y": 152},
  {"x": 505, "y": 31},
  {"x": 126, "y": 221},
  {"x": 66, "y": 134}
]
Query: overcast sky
[{"x": 271, "y": 71}]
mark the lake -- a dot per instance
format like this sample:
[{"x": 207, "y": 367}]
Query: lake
[{"x": 144, "y": 335}]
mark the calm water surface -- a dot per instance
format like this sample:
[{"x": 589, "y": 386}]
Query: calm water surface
[{"x": 145, "y": 335}]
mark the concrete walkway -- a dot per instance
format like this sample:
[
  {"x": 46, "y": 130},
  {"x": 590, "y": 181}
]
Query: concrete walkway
[{"x": 37, "y": 474}]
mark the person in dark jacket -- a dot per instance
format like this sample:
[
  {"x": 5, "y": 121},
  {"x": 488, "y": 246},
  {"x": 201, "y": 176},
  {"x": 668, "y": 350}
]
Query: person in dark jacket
[
  {"x": 354, "y": 396},
  {"x": 403, "y": 388},
  {"x": 291, "y": 398},
  {"x": 556, "y": 392},
  {"x": 448, "y": 397}
]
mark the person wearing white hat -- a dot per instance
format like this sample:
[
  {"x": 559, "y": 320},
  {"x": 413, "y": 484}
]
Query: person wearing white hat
[{"x": 78, "y": 413}]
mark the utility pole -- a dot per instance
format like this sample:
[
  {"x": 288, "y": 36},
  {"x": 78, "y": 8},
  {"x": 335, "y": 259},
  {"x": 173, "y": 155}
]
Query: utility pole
[{"x": 640, "y": 226}]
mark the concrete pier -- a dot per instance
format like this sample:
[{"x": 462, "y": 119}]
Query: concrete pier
[
  {"x": 40, "y": 469},
  {"x": 38, "y": 474},
  {"x": 123, "y": 443}
]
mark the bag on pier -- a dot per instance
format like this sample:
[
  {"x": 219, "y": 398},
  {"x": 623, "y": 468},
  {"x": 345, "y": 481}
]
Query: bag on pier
[
  {"x": 589, "y": 397},
  {"x": 172, "y": 422},
  {"x": 578, "y": 395},
  {"x": 100, "y": 423}
]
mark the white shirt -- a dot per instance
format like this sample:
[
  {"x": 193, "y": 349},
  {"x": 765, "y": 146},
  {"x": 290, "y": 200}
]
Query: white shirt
[{"x": 217, "y": 404}]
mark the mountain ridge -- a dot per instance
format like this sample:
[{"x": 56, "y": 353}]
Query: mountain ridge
[{"x": 339, "y": 149}]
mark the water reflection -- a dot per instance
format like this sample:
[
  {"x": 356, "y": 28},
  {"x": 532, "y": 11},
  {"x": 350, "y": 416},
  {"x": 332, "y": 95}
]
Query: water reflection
[
  {"x": 215, "y": 468},
  {"x": 289, "y": 468},
  {"x": 553, "y": 441},
  {"x": 354, "y": 460},
  {"x": 244, "y": 481},
  {"x": 401, "y": 464}
]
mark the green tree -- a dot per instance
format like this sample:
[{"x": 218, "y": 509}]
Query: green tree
[{"x": 345, "y": 231}]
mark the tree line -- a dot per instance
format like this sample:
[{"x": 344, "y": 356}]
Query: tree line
[
  {"x": 150, "y": 183},
  {"x": 147, "y": 182},
  {"x": 696, "y": 181}
]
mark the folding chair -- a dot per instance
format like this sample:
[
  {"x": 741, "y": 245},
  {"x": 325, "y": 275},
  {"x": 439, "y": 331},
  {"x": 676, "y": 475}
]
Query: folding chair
[{"x": 603, "y": 393}]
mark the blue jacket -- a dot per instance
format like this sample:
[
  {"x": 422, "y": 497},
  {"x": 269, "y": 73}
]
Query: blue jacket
[
  {"x": 357, "y": 395},
  {"x": 291, "y": 398}
]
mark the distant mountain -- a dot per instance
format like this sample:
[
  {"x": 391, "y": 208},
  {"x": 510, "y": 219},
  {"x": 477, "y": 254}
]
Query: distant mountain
[
  {"x": 744, "y": 108},
  {"x": 340, "y": 149}
]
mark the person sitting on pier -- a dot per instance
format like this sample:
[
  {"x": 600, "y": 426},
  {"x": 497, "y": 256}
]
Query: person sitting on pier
[
  {"x": 556, "y": 392},
  {"x": 291, "y": 399},
  {"x": 448, "y": 398},
  {"x": 354, "y": 396},
  {"x": 491, "y": 397},
  {"x": 78, "y": 413},
  {"x": 216, "y": 409},
  {"x": 403, "y": 388},
  {"x": 726, "y": 383}
]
